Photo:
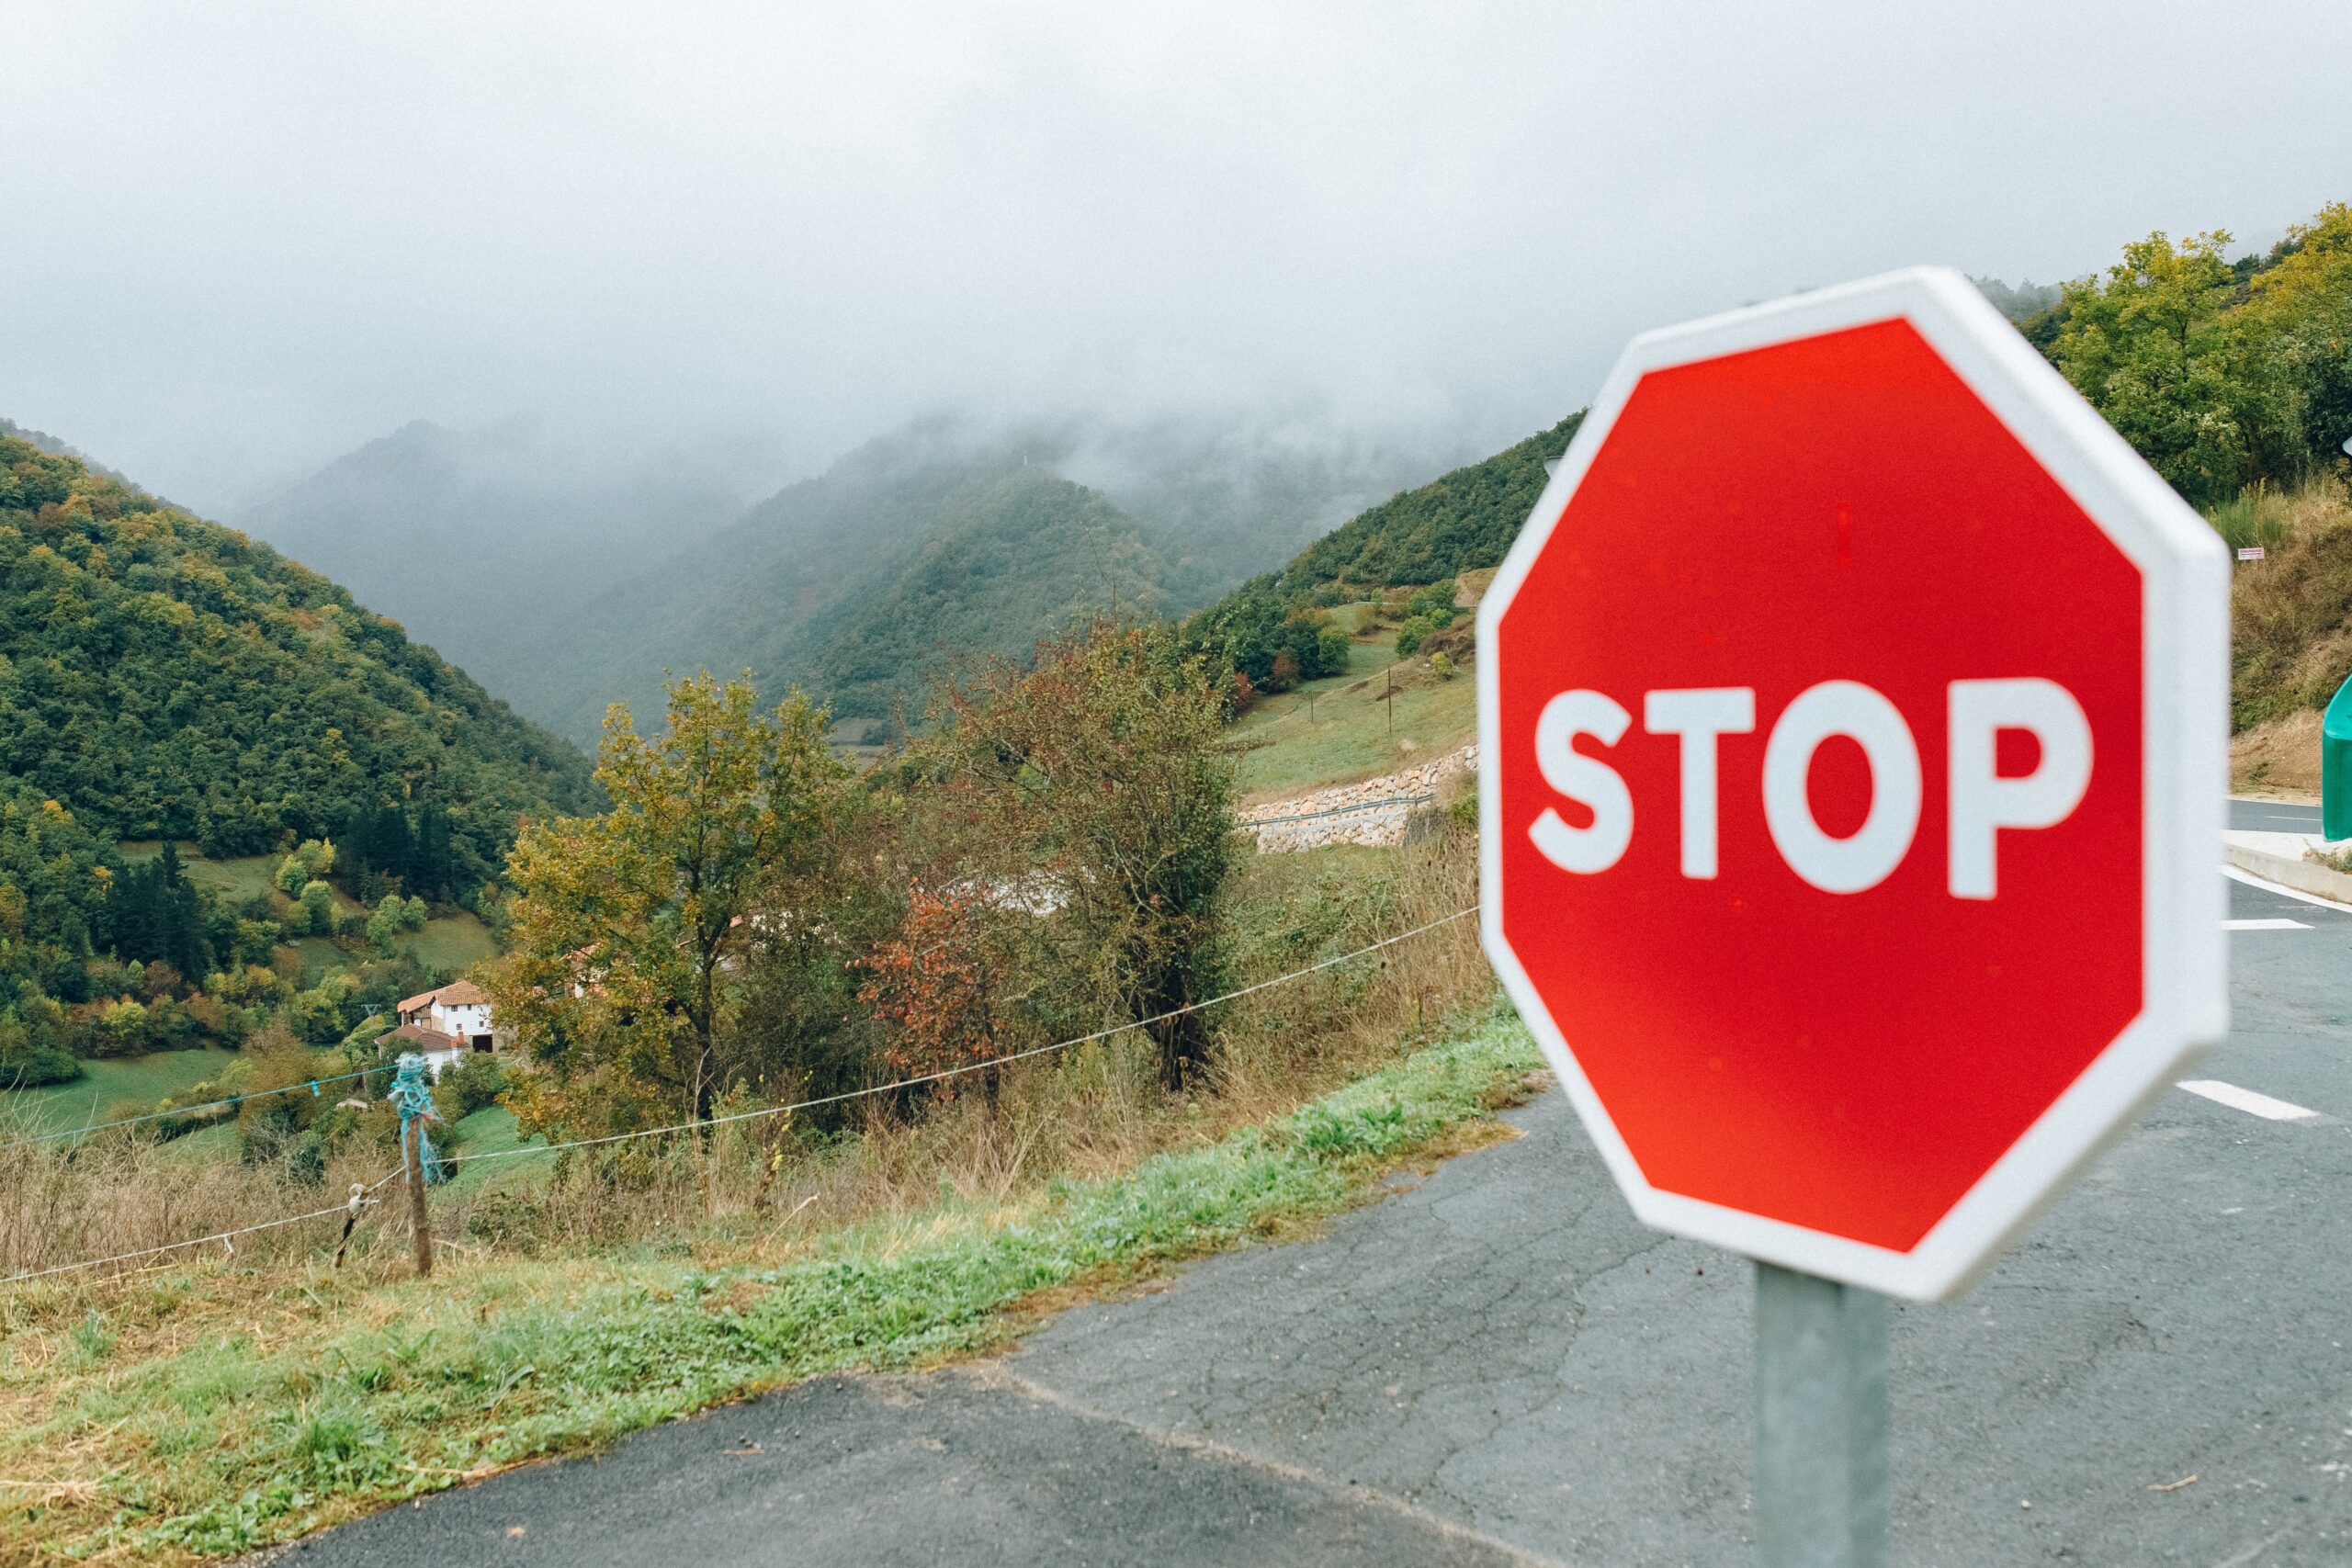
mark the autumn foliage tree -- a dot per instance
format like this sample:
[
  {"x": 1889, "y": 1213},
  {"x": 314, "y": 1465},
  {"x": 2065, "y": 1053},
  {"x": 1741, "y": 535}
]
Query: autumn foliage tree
[
  {"x": 942, "y": 989},
  {"x": 631, "y": 931},
  {"x": 1098, "y": 794}
]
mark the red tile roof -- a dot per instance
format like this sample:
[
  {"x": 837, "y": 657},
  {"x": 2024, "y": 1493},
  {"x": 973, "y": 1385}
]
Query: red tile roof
[
  {"x": 422, "y": 1038},
  {"x": 456, "y": 994}
]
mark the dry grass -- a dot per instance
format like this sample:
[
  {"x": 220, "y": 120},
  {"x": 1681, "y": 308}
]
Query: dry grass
[
  {"x": 2291, "y": 614},
  {"x": 759, "y": 1188},
  {"x": 2278, "y": 758}
]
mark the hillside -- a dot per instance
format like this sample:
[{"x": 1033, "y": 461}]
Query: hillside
[
  {"x": 482, "y": 543},
  {"x": 161, "y": 676},
  {"x": 1007, "y": 562},
  {"x": 1273, "y": 628},
  {"x": 1460, "y": 522}
]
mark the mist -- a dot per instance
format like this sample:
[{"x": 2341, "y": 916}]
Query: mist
[{"x": 245, "y": 239}]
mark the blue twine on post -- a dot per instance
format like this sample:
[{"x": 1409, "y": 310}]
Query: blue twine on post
[{"x": 413, "y": 1096}]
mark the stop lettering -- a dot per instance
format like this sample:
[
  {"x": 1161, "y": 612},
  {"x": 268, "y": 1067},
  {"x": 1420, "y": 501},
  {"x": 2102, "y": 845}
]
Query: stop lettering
[
  {"x": 1851, "y": 712},
  {"x": 1982, "y": 800}
]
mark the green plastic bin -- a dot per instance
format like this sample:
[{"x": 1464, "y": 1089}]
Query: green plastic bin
[{"x": 2336, "y": 765}]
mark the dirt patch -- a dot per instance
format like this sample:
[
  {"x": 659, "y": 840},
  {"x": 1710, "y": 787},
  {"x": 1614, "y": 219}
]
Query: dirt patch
[{"x": 2279, "y": 759}]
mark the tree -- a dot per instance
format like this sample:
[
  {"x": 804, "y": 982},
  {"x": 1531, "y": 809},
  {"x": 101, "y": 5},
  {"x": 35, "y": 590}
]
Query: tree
[
  {"x": 629, "y": 930},
  {"x": 387, "y": 923},
  {"x": 939, "y": 988},
  {"x": 318, "y": 907},
  {"x": 1102, "y": 777}
]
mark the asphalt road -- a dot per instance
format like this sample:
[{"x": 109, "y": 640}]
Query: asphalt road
[
  {"x": 2273, "y": 817},
  {"x": 1496, "y": 1365}
]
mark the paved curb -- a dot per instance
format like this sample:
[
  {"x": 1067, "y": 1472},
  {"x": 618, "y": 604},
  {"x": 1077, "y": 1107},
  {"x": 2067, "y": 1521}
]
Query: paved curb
[{"x": 2302, "y": 875}]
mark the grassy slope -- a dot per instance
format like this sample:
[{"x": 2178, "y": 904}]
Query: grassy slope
[
  {"x": 201, "y": 1425},
  {"x": 123, "y": 1086},
  {"x": 1347, "y": 737},
  {"x": 448, "y": 942},
  {"x": 2290, "y": 632}
]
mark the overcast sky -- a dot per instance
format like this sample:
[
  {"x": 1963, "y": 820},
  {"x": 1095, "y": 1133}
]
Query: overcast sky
[{"x": 241, "y": 238}]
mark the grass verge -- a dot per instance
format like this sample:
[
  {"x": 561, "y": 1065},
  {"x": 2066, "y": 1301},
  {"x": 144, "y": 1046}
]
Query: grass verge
[{"x": 182, "y": 1422}]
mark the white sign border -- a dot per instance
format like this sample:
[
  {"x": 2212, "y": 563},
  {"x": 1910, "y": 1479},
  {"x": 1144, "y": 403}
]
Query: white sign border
[{"x": 2184, "y": 570}]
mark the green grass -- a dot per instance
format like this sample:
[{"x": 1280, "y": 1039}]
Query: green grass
[
  {"x": 123, "y": 1086},
  {"x": 452, "y": 942},
  {"x": 319, "y": 955},
  {"x": 490, "y": 1131},
  {"x": 208, "y": 1426},
  {"x": 234, "y": 880},
  {"x": 1337, "y": 730}
]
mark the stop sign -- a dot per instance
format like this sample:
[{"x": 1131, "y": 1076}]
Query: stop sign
[{"x": 1852, "y": 722}]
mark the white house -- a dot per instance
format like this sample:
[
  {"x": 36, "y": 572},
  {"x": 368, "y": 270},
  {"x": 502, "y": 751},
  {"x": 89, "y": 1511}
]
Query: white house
[{"x": 444, "y": 1024}]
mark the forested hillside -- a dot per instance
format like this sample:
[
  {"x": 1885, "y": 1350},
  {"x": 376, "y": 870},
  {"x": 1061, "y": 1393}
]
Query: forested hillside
[
  {"x": 163, "y": 676},
  {"x": 2224, "y": 374},
  {"x": 1461, "y": 522},
  {"x": 746, "y": 597},
  {"x": 484, "y": 544},
  {"x": 1008, "y": 563}
]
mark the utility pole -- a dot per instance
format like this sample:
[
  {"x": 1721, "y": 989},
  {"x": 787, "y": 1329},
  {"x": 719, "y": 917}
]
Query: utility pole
[
  {"x": 1389, "y": 699},
  {"x": 412, "y": 1155}
]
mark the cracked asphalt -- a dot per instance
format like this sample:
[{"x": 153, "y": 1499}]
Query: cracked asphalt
[{"x": 1496, "y": 1365}]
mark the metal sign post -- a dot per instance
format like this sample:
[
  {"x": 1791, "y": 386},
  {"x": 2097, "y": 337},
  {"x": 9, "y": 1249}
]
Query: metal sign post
[{"x": 1820, "y": 1422}]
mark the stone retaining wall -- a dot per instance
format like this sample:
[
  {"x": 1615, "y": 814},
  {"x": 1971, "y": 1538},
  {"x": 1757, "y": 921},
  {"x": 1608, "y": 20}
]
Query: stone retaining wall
[{"x": 1370, "y": 812}]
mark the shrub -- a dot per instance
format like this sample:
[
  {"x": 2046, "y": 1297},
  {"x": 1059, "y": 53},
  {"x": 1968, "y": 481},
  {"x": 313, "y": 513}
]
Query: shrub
[
  {"x": 1441, "y": 665},
  {"x": 28, "y": 1061},
  {"x": 389, "y": 921},
  {"x": 1411, "y": 635},
  {"x": 476, "y": 1081},
  {"x": 1331, "y": 649},
  {"x": 318, "y": 903}
]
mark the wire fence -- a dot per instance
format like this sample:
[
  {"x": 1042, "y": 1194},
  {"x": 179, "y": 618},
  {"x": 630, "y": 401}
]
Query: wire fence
[{"x": 764, "y": 1111}]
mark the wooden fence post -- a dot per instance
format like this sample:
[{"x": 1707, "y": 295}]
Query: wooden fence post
[{"x": 412, "y": 1156}]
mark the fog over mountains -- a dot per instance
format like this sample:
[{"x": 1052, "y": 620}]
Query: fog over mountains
[{"x": 566, "y": 580}]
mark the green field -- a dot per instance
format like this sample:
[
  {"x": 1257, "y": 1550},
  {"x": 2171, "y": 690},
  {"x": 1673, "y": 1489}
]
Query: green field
[
  {"x": 1337, "y": 730},
  {"x": 449, "y": 943},
  {"x": 108, "y": 1088},
  {"x": 452, "y": 942},
  {"x": 488, "y": 1131}
]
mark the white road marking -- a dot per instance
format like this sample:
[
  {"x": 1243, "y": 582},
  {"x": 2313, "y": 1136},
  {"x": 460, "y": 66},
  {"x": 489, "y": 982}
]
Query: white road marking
[
  {"x": 2245, "y": 1099},
  {"x": 2280, "y": 925},
  {"x": 2239, "y": 874}
]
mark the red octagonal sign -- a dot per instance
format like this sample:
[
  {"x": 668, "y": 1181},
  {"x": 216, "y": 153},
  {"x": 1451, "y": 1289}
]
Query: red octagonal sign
[{"x": 1852, "y": 712}]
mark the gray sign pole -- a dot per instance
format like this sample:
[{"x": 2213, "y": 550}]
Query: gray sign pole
[{"x": 1820, "y": 1423}]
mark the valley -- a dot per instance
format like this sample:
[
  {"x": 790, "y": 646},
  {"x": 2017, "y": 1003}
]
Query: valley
[{"x": 892, "y": 977}]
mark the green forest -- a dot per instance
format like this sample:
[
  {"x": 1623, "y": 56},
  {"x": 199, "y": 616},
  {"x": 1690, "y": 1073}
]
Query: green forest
[
  {"x": 2226, "y": 375},
  {"x": 163, "y": 678}
]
